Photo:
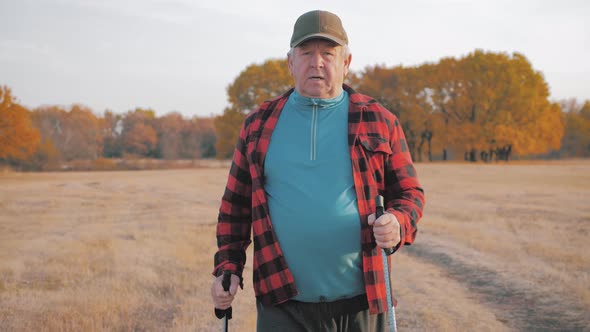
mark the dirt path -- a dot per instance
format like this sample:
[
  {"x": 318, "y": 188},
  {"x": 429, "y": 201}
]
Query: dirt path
[{"x": 515, "y": 303}]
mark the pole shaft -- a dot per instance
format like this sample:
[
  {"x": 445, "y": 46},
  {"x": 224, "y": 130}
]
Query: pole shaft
[{"x": 379, "y": 210}]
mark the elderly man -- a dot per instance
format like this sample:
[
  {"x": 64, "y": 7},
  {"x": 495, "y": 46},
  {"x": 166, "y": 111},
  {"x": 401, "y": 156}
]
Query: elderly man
[{"x": 304, "y": 175}]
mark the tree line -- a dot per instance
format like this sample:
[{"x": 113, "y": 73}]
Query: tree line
[
  {"x": 483, "y": 106},
  {"x": 47, "y": 136}
]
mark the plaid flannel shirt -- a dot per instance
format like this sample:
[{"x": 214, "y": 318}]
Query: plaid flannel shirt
[{"x": 381, "y": 164}]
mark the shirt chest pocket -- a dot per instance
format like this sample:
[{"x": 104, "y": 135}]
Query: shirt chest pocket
[{"x": 375, "y": 152}]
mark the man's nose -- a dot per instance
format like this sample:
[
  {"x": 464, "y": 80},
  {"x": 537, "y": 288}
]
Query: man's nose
[{"x": 316, "y": 60}]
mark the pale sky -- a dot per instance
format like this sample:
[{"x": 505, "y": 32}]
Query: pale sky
[{"x": 180, "y": 55}]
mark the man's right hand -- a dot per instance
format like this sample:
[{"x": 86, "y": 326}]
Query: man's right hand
[{"x": 222, "y": 299}]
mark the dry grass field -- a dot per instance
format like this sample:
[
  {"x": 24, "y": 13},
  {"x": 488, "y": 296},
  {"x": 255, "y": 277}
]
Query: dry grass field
[{"x": 500, "y": 248}]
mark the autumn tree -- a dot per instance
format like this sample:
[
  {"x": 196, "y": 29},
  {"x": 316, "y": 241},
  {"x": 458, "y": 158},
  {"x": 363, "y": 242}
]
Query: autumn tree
[
  {"x": 140, "y": 140},
  {"x": 138, "y": 136},
  {"x": 482, "y": 101},
  {"x": 258, "y": 83},
  {"x": 415, "y": 110},
  {"x": 504, "y": 101},
  {"x": 45, "y": 158},
  {"x": 404, "y": 92},
  {"x": 576, "y": 139},
  {"x": 18, "y": 138},
  {"x": 205, "y": 130},
  {"x": 253, "y": 86},
  {"x": 111, "y": 128},
  {"x": 170, "y": 129},
  {"x": 227, "y": 129},
  {"x": 446, "y": 81},
  {"x": 75, "y": 132},
  {"x": 83, "y": 134},
  {"x": 180, "y": 138},
  {"x": 50, "y": 122}
]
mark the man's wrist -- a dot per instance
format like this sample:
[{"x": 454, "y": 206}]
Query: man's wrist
[{"x": 390, "y": 251}]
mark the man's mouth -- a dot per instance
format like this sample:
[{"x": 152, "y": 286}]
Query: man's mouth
[{"x": 316, "y": 78}]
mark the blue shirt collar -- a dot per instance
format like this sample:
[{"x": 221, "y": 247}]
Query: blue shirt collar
[{"x": 323, "y": 103}]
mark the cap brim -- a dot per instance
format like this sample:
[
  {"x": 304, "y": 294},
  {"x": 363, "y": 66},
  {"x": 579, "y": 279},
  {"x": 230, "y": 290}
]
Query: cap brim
[{"x": 319, "y": 36}]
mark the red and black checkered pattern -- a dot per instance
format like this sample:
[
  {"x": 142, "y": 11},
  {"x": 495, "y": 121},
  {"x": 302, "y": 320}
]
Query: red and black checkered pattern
[{"x": 381, "y": 164}]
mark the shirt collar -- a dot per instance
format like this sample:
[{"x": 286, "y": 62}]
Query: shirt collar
[{"x": 323, "y": 103}]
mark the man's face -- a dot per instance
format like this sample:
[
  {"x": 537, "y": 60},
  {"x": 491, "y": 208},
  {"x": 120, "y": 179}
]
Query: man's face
[{"x": 318, "y": 67}]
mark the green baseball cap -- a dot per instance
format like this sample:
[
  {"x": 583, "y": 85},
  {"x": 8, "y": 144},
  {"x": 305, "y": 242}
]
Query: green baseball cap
[{"x": 318, "y": 24}]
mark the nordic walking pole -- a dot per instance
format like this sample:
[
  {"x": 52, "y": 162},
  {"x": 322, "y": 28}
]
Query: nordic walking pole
[
  {"x": 379, "y": 210},
  {"x": 225, "y": 314}
]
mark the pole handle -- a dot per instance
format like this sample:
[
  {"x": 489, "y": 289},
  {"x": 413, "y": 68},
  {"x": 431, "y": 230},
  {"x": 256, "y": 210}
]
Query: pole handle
[
  {"x": 225, "y": 282},
  {"x": 379, "y": 206}
]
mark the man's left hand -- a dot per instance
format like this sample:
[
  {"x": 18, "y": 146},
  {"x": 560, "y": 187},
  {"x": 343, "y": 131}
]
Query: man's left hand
[{"x": 386, "y": 230}]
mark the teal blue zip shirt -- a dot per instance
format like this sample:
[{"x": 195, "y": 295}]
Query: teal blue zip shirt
[{"x": 312, "y": 199}]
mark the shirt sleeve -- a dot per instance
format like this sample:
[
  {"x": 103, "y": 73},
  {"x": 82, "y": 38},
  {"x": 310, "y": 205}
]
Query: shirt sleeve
[
  {"x": 234, "y": 219},
  {"x": 403, "y": 193}
]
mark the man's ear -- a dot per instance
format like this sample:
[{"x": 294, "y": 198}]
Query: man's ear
[
  {"x": 347, "y": 64},
  {"x": 290, "y": 63}
]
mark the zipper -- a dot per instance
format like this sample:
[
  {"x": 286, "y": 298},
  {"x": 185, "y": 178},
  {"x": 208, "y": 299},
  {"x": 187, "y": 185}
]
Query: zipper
[{"x": 313, "y": 133}]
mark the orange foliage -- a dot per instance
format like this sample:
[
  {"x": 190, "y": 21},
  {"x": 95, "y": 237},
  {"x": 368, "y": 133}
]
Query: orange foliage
[
  {"x": 75, "y": 133},
  {"x": 140, "y": 139},
  {"x": 18, "y": 138},
  {"x": 482, "y": 101},
  {"x": 251, "y": 88},
  {"x": 576, "y": 140},
  {"x": 258, "y": 83},
  {"x": 227, "y": 129},
  {"x": 139, "y": 136}
]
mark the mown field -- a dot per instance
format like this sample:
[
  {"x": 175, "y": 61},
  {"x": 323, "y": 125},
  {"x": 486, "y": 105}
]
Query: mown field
[{"x": 501, "y": 247}]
